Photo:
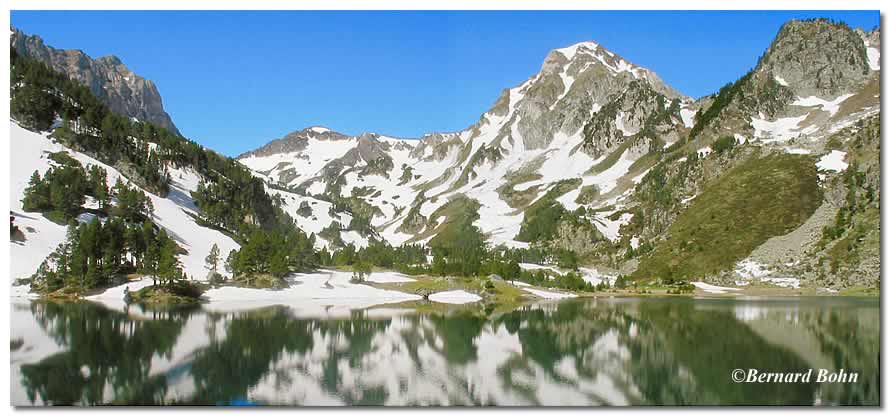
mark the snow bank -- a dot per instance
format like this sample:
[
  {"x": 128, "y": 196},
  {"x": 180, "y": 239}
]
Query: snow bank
[
  {"x": 549, "y": 295},
  {"x": 796, "y": 151},
  {"x": 778, "y": 130},
  {"x": 714, "y": 289},
  {"x": 388, "y": 277},
  {"x": 324, "y": 293},
  {"x": 830, "y": 106},
  {"x": 610, "y": 228},
  {"x": 42, "y": 236},
  {"x": 113, "y": 297},
  {"x": 833, "y": 161},
  {"x": 874, "y": 58},
  {"x": 174, "y": 212},
  {"x": 594, "y": 277},
  {"x": 456, "y": 297},
  {"x": 688, "y": 117}
]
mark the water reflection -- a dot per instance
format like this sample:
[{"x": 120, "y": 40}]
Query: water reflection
[{"x": 584, "y": 352}]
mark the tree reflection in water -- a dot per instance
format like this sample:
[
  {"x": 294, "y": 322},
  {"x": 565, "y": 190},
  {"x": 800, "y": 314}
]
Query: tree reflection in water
[{"x": 675, "y": 351}]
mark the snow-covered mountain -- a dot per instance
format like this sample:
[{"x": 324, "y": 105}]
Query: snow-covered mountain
[
  {"x": 596, "y": 136},
  {"x": 537, "y": 134},
  {"x": 176, "y": 212},
  {"x": 587, "y": 129}
]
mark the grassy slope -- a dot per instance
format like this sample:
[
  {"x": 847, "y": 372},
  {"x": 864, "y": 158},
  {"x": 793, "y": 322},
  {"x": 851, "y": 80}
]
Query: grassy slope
[{"x": 760, "y": 198}]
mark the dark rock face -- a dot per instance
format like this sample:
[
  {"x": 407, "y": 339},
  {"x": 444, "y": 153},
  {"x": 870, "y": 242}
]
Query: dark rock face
[{"x": 107, "y": 77}]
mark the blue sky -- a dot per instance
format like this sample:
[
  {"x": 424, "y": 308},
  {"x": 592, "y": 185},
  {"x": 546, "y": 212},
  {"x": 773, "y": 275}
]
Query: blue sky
[{"x": 235, "y": 80}]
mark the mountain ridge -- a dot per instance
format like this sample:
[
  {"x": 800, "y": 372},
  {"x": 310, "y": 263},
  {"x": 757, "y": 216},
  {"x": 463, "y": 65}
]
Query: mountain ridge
[
  {"x": 593, "y": 108},
  {"x": 597, "y": 157},
  {"x": 124, "y": 91}
]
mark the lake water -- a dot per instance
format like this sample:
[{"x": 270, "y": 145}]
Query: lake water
[{"x": 621, "y": 351}]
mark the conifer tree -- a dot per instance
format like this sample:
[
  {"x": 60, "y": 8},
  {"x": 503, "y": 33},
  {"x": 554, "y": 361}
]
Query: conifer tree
[{"x": 212, "y": 259}]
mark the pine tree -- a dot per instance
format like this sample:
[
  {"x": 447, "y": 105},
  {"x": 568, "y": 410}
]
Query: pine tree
[
  {"x": 278, "y": 264},
  {"x": 150, "y": 261},
  {"x": 168, "y": 263},
  {"x": 212, "y": 259},
  {"x": 36, "y": 198}
]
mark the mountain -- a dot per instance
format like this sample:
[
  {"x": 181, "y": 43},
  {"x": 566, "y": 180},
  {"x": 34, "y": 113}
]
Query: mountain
[
  {"x": 591, "y": 161},
  {"x": 125, "y": 92},
  {"x": 599, "y": 156},
  {"x": 585, "y": 110}
]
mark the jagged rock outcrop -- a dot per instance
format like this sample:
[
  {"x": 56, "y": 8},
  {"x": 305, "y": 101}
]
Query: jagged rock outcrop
[
  {"x": 817, "y": 58},
  {"x": 125, "y": 92}
]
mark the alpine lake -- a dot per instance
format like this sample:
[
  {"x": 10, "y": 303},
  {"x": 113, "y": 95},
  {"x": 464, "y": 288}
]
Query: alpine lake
[{"x": 679, "y": 350}]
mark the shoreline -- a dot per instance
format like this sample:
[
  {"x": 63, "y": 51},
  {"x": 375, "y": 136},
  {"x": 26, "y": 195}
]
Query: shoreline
[{"x": 330, "y": 292}]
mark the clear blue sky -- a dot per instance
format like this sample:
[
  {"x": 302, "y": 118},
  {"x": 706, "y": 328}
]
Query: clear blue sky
[{"x": 235, "y": 80}]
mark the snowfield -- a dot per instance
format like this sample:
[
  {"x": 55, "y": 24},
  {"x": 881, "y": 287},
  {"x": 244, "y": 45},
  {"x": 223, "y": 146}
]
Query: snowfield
[
  {"x": 323, "y": 293},
  {"x": 830, "y": 106},
  {"x": 444, "y": 166},
  {"x": 714, "y": 289},
  {"x": 782, "y": 129},
  {"x": 388, "y": 277},
  {"x": 113, "y": 297},
  {"x": 833, "y": 161},
  {"x": 688, "y": 117},
  {"x": 174, "y": 212},
  {"x": 549, "y": 295},
  {"x": 456, "y": 297},
  {"x": 42, "y": 236}
]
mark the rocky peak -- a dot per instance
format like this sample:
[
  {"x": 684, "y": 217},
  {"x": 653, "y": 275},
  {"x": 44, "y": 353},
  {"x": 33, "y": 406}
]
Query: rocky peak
[
  {"x": 573, "y": 84},
  {"x": 817, "y": 58},
  {"x": 112, "y": 60},
  {"x": 296, "y": 141},
  {"x": 107, "y": 77}
]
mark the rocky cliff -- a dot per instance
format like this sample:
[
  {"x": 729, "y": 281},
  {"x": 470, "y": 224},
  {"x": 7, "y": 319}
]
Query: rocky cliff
[{"x": 107, "y": 77}]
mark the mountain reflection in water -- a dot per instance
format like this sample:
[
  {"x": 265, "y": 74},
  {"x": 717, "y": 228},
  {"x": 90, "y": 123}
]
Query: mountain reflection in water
[{"x": 632, "y": 351}]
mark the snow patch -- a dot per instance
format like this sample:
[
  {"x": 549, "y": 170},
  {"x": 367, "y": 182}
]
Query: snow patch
[
  {"x": 714, "y": 289},
  {"x": 688, "y": 117},
  {"x": 778, "y": 130},
  {"x": 830, "y": 106},
  {"x": 570, "y": 51},
  {"x": 796, "y": 151},
  {"x": 388, "y": 277},
  {"x": 833, "y": 161},
  {"x": 609, "y": 228},
  {"x": 455, "y": 297},
  {"x": 549, "y": 295},
  {"x": 323, "y": 293},
  {"x": 113, "y": 297},
  {"x": 874, "y": 58}
]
